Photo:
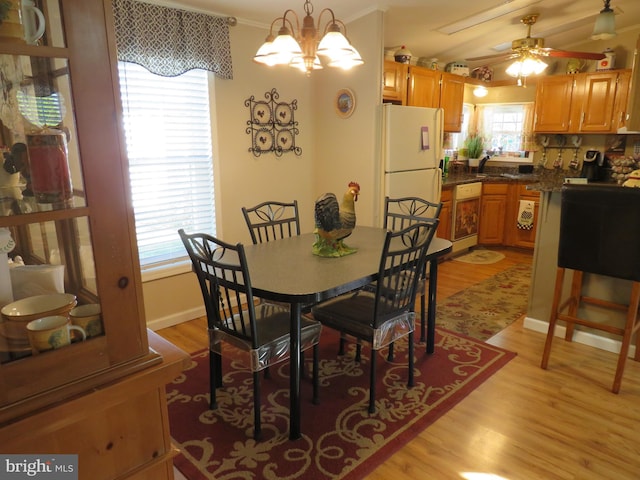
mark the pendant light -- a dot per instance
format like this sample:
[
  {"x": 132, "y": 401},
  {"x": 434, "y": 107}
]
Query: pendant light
[{"x": 605, "y": 27}]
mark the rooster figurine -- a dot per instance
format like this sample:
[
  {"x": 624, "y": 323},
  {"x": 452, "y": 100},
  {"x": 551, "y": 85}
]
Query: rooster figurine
[{"x": 335, "y": 222}]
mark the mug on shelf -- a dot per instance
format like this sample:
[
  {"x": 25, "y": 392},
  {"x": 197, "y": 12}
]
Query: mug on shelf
[
  {"x": 24, "y": 23},
  {"x": 89, "y": 318},
  {"x": 48, "y": 333}
]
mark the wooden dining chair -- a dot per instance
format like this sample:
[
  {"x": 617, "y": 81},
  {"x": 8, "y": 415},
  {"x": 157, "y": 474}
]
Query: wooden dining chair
[
  {"x": 386, "y": 315},
  {"x": 272, "y": 220},
  {"x": 255, "y": 334}
]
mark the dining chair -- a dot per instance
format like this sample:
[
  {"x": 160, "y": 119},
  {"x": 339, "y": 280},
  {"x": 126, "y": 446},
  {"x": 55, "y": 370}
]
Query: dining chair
[
  {"x": 257, "y": 334},
  {"x": 387, "y": 314},
  {"x": 272, "y": 220},
  {"x": 399, "y": 213}
]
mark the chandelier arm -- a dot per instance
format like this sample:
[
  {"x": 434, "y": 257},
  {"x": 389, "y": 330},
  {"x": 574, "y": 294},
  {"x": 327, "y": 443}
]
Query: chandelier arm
[
  {"x": 295, "y": 31},
  {"x": 333, "y": 21}
]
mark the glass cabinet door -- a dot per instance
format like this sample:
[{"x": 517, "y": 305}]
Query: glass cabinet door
[{"x": 70, "y": 293}]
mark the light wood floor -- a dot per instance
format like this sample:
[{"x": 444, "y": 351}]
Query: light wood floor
[{"x": 524, "y": 422}]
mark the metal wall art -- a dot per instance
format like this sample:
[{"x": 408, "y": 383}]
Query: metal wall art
[{"x": 272, "y": 126}]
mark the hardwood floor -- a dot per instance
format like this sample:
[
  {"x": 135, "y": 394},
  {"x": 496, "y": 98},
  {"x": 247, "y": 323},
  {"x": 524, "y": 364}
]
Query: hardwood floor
[{"x": 524, "y": 422}]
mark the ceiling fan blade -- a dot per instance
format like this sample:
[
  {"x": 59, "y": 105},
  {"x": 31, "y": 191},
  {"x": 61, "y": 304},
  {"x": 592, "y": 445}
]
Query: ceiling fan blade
[
  {"x": 552, "y": 52},
  {"x": 504, "y": 55}
]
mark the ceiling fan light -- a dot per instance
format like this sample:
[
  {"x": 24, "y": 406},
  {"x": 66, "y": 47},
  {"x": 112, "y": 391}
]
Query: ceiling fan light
[
  {"x": 605, "y": 27},
  {"x": 523, "y": 67}
]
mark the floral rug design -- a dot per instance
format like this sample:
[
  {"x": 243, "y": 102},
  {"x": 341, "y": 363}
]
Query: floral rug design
[
  {"x": 486, "y": 308},
  {"x": 480, "y": 257},
  {"x": 340, "y": 439}
]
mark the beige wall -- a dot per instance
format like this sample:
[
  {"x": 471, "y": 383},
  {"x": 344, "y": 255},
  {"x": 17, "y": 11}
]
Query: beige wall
[{"x": 334, "y": 150}]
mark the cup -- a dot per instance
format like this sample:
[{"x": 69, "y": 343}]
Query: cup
[
  {"x": 11, "y": 28},
  {"x": 89, "y": 318},
  {"x": 32, "y": 22},
  {"x": 48, "y": 333}
]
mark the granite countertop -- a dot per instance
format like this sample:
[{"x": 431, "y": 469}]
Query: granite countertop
[{"x": 542, "y": 179}]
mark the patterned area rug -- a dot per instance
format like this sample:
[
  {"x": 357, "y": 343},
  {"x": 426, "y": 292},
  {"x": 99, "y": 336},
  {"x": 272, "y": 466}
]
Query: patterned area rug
[
  {"x": 485, "y": 308},
  {"x": 341, "y": 440},
  {"x": 480, "y": 257}
]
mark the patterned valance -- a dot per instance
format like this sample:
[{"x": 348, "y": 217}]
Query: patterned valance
[{"x": 169, "y": 42}]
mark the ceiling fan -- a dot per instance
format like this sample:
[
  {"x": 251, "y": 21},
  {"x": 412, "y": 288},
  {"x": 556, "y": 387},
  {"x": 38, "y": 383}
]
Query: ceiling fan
[{"x": 531, "y": 46}]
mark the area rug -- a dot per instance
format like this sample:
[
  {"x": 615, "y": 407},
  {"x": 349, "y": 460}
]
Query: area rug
[
  {"x": 480, "y": 257},
  {"x": 487, "y": 307},
  {"x": 340, "y": 439}
]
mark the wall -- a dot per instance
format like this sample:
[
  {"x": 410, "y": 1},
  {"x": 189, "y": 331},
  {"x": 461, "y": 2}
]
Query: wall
[{"x": 334, "y": 150}]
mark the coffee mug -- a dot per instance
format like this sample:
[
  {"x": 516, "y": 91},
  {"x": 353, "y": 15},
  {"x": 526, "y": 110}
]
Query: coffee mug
[
  {"x": 32, "y": 22},
  {"x": 48, "y": 333},
  {"x": 88, "y": 317}
]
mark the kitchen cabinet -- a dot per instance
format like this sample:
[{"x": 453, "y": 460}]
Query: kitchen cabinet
[
  {"x": 394, "y": 82},
  {"x": 424, "y": 87},
  {"x": 593, "y": 102},
  {"x": 444, "y": 227},
  {"x": 500, "y": 204},
  {"x": 71, "y": 206},
  {"x": 493, "y": 209}
]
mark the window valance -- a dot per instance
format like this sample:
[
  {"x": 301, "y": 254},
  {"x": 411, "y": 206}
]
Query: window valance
[{"x": 168, "y": 42}]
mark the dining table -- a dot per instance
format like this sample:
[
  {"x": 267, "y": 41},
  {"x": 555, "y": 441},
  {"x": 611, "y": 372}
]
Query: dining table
[{"x": 286, "y": 270}]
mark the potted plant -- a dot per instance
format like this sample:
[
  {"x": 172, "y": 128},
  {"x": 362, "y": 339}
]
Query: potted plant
[{"x": 475, "y": 146}]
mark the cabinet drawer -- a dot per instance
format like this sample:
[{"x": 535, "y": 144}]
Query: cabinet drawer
[
  {"x": 523, "y": 192},
  {"x": 495, "y": 188}
]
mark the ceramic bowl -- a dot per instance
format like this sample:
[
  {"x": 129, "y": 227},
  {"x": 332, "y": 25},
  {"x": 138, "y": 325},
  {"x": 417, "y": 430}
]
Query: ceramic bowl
[{"x": 38, "y": 306}]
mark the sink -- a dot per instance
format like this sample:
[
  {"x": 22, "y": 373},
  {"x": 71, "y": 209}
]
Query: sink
[{"x": 519, "y": 176}]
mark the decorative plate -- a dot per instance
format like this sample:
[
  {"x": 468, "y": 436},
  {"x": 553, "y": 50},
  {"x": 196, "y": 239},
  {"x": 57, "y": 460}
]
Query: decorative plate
[{"x": 345, "y": 103}]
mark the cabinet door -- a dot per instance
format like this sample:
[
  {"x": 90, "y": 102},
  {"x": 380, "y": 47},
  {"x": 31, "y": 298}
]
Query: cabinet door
[
  {"x": 424, "y": 87},
  {"x": 444, "y": 227},
  {"x": 451, "y": 100},
  {"x": 553, "y": 104},
  {"x": 394, "y": 82},
  {"x": 492, "y": 214},
  {"x": 622, "y": 98},
  {"x": 71, "y": 205},
  {"x": 596, "y": 101}
]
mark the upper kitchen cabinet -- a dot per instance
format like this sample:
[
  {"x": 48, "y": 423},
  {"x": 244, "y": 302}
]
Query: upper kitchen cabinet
[
  {"x": 394, "y": 82},
  {"x": 423, "y": 87},
  {"x": 583, "y": 103},
  {"x": 65, "y": 204}
]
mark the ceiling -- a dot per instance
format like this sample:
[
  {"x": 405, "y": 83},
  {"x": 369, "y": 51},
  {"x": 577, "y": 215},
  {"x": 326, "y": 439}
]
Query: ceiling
[{"x": 564, "y": 24}]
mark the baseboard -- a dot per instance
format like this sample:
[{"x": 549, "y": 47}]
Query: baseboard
[
  {"x": 586, "y": 338},
  {"x": 175, "y": 319}
]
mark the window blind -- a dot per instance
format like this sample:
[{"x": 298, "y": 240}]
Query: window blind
[{"x": 168, "y": 138}]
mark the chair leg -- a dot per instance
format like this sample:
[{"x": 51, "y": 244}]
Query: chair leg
[
  {"x": 358, "y": 351},
  {"x": 267, "y": 373},
  {"x": 423, "y": 317},
  {"x": 390, "y": 353},
  {"x": 372, "y": 382},
  {"x": 316, "y": 379},
  {"x": 410, "y": 354},
  {"x": 215, "y": 377},
  {"x": 575, "y": 296},
  {"x": 342, "y": 344},
  {"x": 632, "y": 315},
  {"x": 257, "y": 426},
  {"x": 553, "y": 317}
]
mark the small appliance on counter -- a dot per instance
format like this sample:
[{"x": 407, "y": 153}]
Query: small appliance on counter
[{"x": 592, "y": 165}]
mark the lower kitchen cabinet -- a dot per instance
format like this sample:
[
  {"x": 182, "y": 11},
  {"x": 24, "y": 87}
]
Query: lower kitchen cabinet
[
  {"x": 493, "y": 210},
  {"x": 444, "y": 227},
  {"x": 499, "y": 208}
]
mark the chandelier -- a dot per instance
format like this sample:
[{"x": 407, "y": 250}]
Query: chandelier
[
  {"x": 524, "y": 66},
  {"x": 301, "y": 48}
]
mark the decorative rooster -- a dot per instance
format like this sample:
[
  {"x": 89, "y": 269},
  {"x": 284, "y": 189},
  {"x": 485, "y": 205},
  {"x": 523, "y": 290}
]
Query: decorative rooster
[{"x": 335, "y": 222}]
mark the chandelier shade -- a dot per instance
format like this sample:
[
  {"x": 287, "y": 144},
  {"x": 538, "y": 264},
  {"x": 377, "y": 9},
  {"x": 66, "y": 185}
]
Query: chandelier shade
[
  {"x": 301, "y": 47},
  {"x": 605, "y": 27}
]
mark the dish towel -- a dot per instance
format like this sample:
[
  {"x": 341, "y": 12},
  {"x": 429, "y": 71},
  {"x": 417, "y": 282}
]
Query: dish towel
[{"x": 525, "y": 214}]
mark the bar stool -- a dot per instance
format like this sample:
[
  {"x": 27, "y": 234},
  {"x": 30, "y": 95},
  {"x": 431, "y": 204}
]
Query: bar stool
[{"x": 599, "y": 234}]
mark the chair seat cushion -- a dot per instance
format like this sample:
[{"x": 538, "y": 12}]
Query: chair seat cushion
[
  {"x": 273, "y": 327},
  {"x": 353, "y": 314}
]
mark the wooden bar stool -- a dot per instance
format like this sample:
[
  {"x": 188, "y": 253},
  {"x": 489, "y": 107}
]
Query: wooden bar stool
[{"x": 599, "y": 234}]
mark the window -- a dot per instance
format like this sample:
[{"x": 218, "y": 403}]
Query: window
[
  {"x": 503, "y": 126},
  {"x": 168, "y": 137}
]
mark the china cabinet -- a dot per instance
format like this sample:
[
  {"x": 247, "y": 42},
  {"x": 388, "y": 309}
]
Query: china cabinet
[{"x": 69, "y": 204}]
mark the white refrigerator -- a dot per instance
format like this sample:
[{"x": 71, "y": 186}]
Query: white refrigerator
[{"x": 412, "y": 147}]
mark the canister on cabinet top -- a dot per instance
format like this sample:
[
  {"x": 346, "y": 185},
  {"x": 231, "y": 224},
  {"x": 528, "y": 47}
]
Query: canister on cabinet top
[
  {"x": 49, "y": 166},
  {"x": 608, "y": 62}
]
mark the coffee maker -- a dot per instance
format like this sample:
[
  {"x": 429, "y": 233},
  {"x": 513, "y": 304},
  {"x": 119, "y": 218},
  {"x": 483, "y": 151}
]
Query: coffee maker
[{"x": 592, "y": 165}]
